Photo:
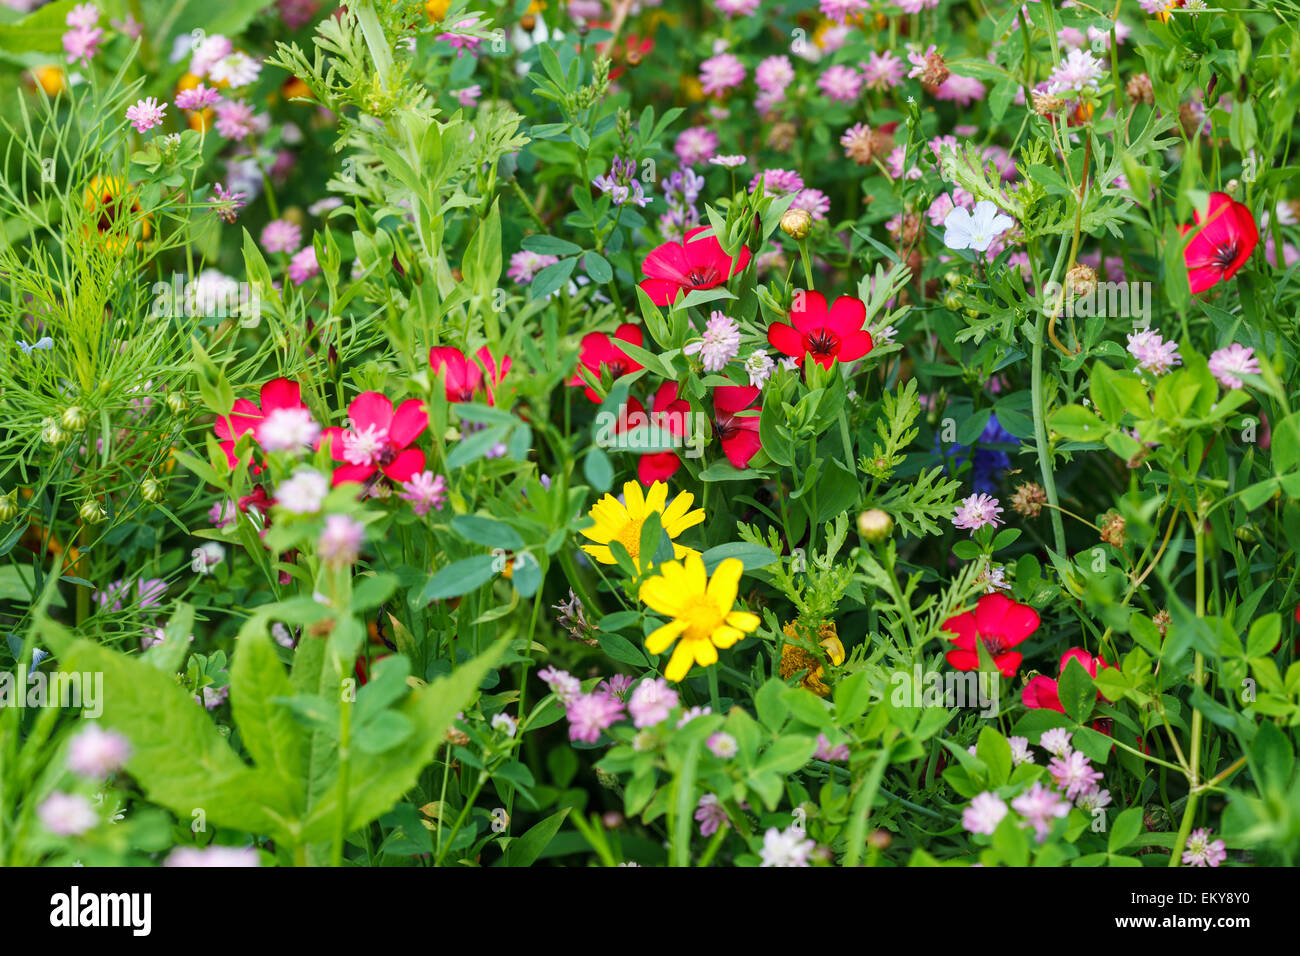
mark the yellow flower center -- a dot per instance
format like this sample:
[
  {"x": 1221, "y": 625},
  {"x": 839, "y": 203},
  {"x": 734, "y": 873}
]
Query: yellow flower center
[
  {"x": 630, "y": 538},
  {"x": 702, "y": 617}
]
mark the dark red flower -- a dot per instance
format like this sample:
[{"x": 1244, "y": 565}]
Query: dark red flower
[
  {"x": 669, "y": 414},
  {"x": 997, "y": 621},
  {"x": 739, "y": 434},
  {"x": 377, "y": 439},
  {"x": 464, "y": 377},
  {"x": 828, "y": 335},
  {"x": 1222, "y": 243},
  {"x": 1041, "y": 692},
  {"x": 677, "y": 267},
  {"x": 597, "y": 352},
  {"x": 245, "y": 416}
]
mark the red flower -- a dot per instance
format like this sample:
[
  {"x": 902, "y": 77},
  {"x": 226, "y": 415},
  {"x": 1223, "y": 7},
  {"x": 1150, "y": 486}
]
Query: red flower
[
  {"x": 1044, "y": 693},
  {"x": 699, "y": 264},
  {"x": 739, "y": 435},
  {"x": 1221, "y": 245},
  {"x": 669, "y": 414},
  {"x": 826, "y": 334},
  {"x": 464, "y": 377},
  {"x": 245, "y": 416},
  {"x": 597, "y": 352},
  {"x": 378, "y": 439},
  {"x": 1000, "y": 623}
]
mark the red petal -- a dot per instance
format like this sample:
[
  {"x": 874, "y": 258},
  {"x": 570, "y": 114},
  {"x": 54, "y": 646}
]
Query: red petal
[
  {"x": 409, "y": 421},
  {"x": 809, "y": 311},
  {"x": 659, "y": 466},
  {"x": 668, "y": 261},
  {"x": 347, "y": 473},
  {"x": 741, "y": 446},
  {"x": 371, "y": 409},
  {"x": 962, "y": 626},
  {"x": 846, "y": 316},
  {"x": 662, "y": 291},
  {"x": 734, "y": 398},
  {"x": 1008, "y": 664},
  {"x": 786, "y": 340},
  {"x": 963, "y": 660},
  {"x": 405, "y": 465},
  {"x": 855, "y": 346},
  {"x": 333, "y": 437},
  {"x": 280, "y": 393},
  {"x": 1042, "y": 693}
]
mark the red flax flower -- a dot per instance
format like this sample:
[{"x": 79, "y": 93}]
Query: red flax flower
[
  {"x": 828, "y": 335},
  {"x": 464, "y": 377},
  {"x": 1222, "y": 243},
  {"x": 675, "y": 267},
  {"x": 739, "y": 435},
  {"x": 245, "y": 416},
  {"x": 598, "y": 351},
  {"x": 669, "y": 414},
  {"x": 1044, "y": 693},
  {"x": 997, "y": 621},
  {"x": 377, "y": 439}
]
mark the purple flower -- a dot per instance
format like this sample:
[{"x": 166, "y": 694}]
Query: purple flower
[
  {"x": 1074, "y": 774},
  {"x": 198, "y": 98},
  {"x": 226, "y": 204},
  {"x": 235, "y": 119},
  {"x": 696, "y": 144},
  {"x": 984, "y": 813},
  {"x": 67, "y": 814},
  {"x": 840, "y": 82},
  {"x": 1202, "y": 851},
  {"x": 710, "y": 815},
  {"x": 424, "y": 491},
  {"x": 828, "y": 753},
  {"x": 303, "y": 266},
  {"x": 1152, "y": 352},
  {"x": 977, "y": 511},
  {"x": 1040, "y": 806},
  {"x": 340, "y": 542},
  {"x": 563, "y": 685}
]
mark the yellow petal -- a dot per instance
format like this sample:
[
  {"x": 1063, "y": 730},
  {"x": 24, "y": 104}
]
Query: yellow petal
[
  {"x": 660, "y": 638},
  {"x": 655, "y": 498},
  {"x": 743, "y": 620},
  {"x": 705, "y": 653},
  {"x": 834, "y": 650},
  {"x": 697, "y": 579},
  {"x": 600, "y": 553},
  {"x": 678, "y": 507},
  {"x": 724, "y": 636},
  {"x": 725, "y": 584},
  {"x": 659, "y": 595},
  {"x": 635, "y": 500},
  {"x": 680, "y": 663}
]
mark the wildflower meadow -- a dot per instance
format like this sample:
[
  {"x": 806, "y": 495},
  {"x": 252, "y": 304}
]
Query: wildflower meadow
[{"x": 649, "y": 433}]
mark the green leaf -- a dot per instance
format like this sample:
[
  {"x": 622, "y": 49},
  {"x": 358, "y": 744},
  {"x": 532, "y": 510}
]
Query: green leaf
[
  {"x": 550, "y": 246},
  {"x": 1078, "y": 692},
  {"x": 489, "y": 532},
  {"x": 1126, "y": 829},
  {"x": 597, "y": 267},
  {"x": 750, "y": 555},
  {"x": 460, "y": 577}
]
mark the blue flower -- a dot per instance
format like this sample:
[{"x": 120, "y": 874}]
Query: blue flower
[
  {"x": 989, "y": 463},
  {"x": 43, "y": 343}
]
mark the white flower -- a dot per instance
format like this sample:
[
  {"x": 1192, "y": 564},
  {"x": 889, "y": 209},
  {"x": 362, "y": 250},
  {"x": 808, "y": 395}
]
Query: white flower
[
  {"x": 304, "y": 493},
  {"x": 789, "y": 847},
  {"x": 288, "y": 429},
  {"x": 237, "y": 69},
  {"x": 1056, "y": 742},
  {"x": 505, "y": 723},
  {"x": 759, "y": 366},
  {"x": 965, "y": 230},
  {"x": 207, "y": 556}
]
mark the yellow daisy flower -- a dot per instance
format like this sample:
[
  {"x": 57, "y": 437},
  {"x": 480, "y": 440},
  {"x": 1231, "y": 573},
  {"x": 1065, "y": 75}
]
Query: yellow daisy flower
[
  {"x": 701, "y": 612},
  {"x": 795, "y": 658},
  {"x": 622, "y": 522}
]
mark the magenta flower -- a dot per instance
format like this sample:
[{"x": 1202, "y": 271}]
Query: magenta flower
[
  {"x": 1229, "y": 363},
  {"x": 774, "y": 74},
  {"x": 281, "y": 235},
  {"x": 94, "y": 753},
  {"x": 696, "y": 144},
  {"x": 651, "y": 703},
  {"x": 146, "y": 114},
  {"x": 710, "y": 815},
  {"x": 339, "y": 543},
  {"x": 303, "y": 266},
  {"x": 1074, "y": 774},
  {"x": 589, "y": 714},
  {"x": 82, "y": 44},
  {"x": 1153, "y": 353},
  {"x": 840, "y": 82},
  {"x": 198, "y": 98},
  {"x": 977, "y": 511},
  {"x": 721, "y": 73},
  {"x": 226, "y": 204},
  {"x": 1040, "y": 806},
  {"x": 882, "y": 71},
  {"x": 234, "y": 119},
  {"x": 984, "y": 813},
  {"x": 1202, "y": 851},
  {"x": 425, "y": 491}
]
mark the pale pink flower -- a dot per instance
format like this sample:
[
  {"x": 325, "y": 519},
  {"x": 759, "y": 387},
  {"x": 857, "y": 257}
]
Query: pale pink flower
[
  {"x": 425, "y": 491},
  {"x": 984, "y": 813},
  {"x": 721, "y": 73},
  {"x": 146, "y": 114},
  {"x": 95, "y": 753},
  {"x": 976, "y": 512},
  {"x": 1227, "y": 364},
  {"x": 651, "y": 702}
]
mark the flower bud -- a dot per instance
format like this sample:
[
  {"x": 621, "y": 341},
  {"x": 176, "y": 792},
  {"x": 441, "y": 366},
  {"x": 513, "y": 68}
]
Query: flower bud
[
  {"x": 8, "y": 507},
  {"x": 875, "y": 526},
  {"x": 74, "y": 418},
  {"x": 51, "y": 433},
  {"x": 176, "y": 402},
  {"x": 92, "y": 512},
  {"x": 1081, "y": 280},
  {"x": 151, "y": 490},
  {"x": 796, "y": 223}
]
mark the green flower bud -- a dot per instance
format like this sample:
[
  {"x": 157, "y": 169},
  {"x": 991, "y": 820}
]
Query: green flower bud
[
  {"x": 8, "y": 507},
  {"x": 875, "y": 526},
  {"x": 151, "y": 490},
  {"x": 74, "y": 418},
  {"x": 92, "y": 512},
  {"x": 51, "y": 433}
]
